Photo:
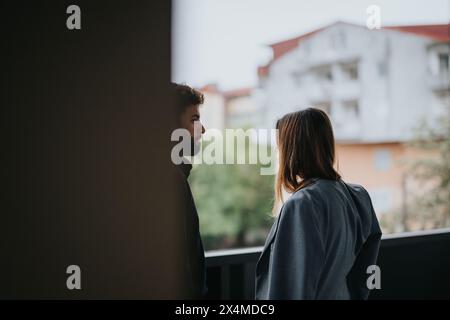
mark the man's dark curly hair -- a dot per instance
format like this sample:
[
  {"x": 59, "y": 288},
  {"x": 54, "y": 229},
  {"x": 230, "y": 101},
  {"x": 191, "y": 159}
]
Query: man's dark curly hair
[{"x": 186, "y": 96}]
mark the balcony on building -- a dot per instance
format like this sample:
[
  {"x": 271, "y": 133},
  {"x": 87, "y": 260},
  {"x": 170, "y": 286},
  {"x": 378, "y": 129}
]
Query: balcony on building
[{"x": 438, "y": 77}]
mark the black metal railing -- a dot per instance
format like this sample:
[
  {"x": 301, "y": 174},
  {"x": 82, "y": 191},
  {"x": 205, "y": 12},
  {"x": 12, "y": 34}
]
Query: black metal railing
[{"x": 414, "y": 265}]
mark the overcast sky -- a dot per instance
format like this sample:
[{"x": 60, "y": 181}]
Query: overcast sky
[{"x": 223, "y": 41}]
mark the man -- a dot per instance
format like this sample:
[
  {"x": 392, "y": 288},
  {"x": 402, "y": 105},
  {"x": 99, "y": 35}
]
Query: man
[{"x": 188, "y": 101}]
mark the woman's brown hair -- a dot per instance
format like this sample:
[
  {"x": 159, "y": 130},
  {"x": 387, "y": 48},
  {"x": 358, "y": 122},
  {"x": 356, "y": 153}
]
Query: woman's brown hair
[{"x": 306, "y": 150}]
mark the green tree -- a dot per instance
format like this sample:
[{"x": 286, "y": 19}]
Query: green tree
[
  {"x": 431, "y": 205},
  {"x": 234, "y": 204}
]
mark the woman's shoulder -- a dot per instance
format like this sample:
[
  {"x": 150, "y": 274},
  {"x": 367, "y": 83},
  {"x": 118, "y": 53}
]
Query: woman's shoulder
[
  {"x": 357, "y": 189},
  {"x": 321, "y": 189},
  {"x": 306, "y": 204},
  {"x": 312, "y": 194},
  {"x": 315, "y": 189}
]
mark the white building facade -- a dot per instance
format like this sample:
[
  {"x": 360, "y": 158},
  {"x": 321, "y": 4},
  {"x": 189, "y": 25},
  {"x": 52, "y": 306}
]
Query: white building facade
[{"x": 375, "y": 84}]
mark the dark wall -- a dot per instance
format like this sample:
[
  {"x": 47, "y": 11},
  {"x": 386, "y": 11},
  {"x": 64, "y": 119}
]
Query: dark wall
[{"x": 84, "y": 118}]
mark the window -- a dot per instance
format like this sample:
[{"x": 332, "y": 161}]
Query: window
[
  {"x": 350, "y": 109},
  {"x": 444, "y": 62},
  {"x": 350, "y": 71},
  {"x": 382, "y": 68},
  {"x": 324, "y": 73},
  {"x": 382, "y": 160}
]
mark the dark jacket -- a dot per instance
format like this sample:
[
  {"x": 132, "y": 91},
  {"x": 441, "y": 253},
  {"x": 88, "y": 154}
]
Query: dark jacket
[
  {"x": 193, "y": 252},
  {"x": 320, "y": 245}
]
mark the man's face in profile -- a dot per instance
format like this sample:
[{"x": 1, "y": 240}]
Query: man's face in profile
[{"x": 190, "y": 120}]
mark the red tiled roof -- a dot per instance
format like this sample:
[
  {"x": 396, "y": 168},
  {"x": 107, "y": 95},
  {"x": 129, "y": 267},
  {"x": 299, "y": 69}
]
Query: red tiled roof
[
  {"x": 263, "y": 70},
  {"x": 439, "y": 32},
  {"x": 282, "y": 47}
]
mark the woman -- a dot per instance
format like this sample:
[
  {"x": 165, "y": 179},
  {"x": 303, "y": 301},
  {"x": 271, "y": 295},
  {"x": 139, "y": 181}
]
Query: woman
[{"x": 326, "y": 234}]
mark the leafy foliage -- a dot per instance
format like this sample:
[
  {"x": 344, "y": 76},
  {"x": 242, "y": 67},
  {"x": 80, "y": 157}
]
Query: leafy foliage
[
  {"x": 234, "y": 203},
  {"x": 432, "y": 173}
]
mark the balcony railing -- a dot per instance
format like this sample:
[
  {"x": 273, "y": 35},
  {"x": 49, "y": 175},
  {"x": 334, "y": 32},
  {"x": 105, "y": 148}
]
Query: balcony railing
[
  {"x": 414, "y": 265},
  {"x": 439, "y": 82}
]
